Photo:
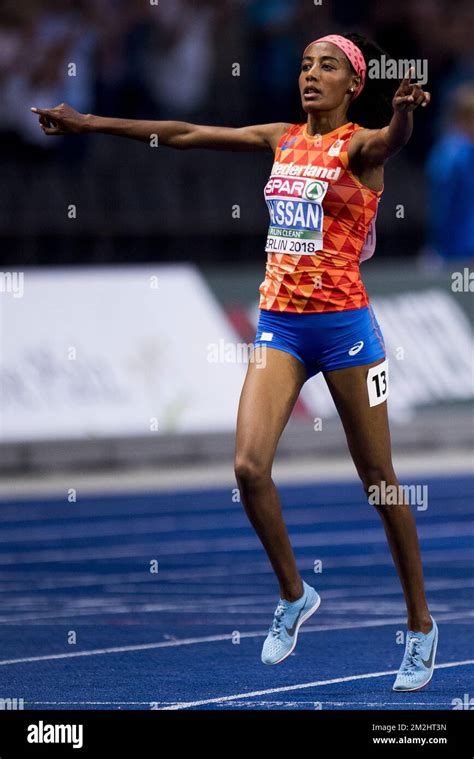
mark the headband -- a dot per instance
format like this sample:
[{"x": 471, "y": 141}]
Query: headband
[{"x": 352, "y": 52}]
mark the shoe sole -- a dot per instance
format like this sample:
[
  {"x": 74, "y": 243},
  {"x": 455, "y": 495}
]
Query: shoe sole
[
  {"x": 419, "y": 687},
  {"x": 300, "y": 622}
]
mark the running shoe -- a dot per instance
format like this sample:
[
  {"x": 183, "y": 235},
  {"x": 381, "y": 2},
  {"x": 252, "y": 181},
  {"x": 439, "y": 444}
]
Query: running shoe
[
  {"x": 417, "y": 667},
  {"x": 283, "y": 633}
]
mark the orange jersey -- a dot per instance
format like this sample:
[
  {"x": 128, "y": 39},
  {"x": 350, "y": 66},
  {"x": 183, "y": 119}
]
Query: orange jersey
[{"x": 320, "y": 215}]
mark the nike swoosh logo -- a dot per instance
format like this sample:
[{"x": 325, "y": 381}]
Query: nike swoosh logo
[
  {"x": 291, "y": 630},
  {"x": 429, "y": 661}
]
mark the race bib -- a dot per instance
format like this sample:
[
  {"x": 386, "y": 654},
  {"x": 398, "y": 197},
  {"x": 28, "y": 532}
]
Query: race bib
[
  {"x": 377, "y": 383},
  {"x": 296, "y": 212}
]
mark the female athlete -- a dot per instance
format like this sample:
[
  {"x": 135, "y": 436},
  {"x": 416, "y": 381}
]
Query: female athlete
[{"x": 315, "y": 315}]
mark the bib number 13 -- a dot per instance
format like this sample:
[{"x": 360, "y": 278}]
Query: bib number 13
[{"x": 377, "y": 383}]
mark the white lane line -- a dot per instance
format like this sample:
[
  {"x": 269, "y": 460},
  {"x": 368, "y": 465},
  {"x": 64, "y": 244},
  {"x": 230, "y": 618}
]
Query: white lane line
[
  {"x": 301, "y": 686},
  {"x": 221, "y": 637},
  {"x": 290, "y": 704},
  {"x": 126, "y": 649}
]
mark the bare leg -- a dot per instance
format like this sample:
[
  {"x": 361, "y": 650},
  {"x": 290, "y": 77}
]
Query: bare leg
[
  {"x": 368, "y": 438},
  {"x": 268, "y": 397}
]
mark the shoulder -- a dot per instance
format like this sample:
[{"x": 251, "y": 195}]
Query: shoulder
[
  {"x": 359, "y": 137},
  {"x": 370, "y": 174},
  {"x": 369, "y": 149},
  {"x": 282, "y": 129}
]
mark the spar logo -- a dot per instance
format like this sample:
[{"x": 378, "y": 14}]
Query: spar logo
[
  {"x": 289, "y": 187},
  {"x": 315, "y": 190}
]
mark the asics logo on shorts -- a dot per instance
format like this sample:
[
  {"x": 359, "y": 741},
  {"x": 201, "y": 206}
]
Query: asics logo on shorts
[{"x": 356, "y": 348}]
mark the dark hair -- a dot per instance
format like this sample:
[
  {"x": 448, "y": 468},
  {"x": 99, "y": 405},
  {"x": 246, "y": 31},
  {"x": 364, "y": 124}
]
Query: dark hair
[{"x": 373, "y": 108}]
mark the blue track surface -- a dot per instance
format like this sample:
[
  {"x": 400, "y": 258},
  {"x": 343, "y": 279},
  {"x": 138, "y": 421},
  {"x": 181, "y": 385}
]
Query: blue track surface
[{"x": 85, "y": 567}]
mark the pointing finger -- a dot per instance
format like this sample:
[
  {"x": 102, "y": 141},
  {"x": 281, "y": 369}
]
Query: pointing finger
[
  {"x": 52, "y": 112},
  {"x": 408, "y": 75},
  {"x": 41, "y": 111}
]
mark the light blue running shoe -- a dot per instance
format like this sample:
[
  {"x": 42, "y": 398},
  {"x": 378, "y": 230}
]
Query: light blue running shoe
[
  {"x": 283, "y": 633},
  {"x": 417, "y": 667}
]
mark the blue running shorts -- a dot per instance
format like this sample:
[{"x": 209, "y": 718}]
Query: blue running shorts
[{"x": 324, "y": 341}]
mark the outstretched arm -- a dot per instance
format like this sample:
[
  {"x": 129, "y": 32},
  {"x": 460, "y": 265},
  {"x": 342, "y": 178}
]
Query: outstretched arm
[
  {"x": 375, "y": 146},
  {"x": 174, "y": 134}
]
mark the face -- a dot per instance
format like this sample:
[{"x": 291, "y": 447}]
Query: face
[{"x": 326, "y": 77}]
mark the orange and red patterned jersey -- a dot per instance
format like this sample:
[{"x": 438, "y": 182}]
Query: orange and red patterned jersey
[{"x": 320, "y": 215}]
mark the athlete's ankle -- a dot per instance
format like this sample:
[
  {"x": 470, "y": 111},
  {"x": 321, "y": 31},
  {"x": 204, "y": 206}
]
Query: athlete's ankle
[
  {"x": 420, "y": 624},
  {"x": 292, "y": 593}
]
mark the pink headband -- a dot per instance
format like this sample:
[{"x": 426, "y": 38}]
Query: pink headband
[{"x": 352, "y": 52}]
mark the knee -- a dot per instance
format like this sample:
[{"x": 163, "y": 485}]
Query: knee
[
  {"x": 250, "y": 471},
  {"x": 375, "y": 478}
]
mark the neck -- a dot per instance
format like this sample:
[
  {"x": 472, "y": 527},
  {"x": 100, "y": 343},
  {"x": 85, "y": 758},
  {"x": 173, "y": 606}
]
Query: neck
[{"x": 321, "y": 123}]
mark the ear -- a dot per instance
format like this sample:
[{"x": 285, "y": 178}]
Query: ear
[{"x": 354, "y": 85}]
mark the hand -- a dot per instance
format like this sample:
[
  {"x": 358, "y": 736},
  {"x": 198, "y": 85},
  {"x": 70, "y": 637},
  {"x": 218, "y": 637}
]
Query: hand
[
  {"x": 409, "y": 96},
  {"x": 61, "y": 120}
]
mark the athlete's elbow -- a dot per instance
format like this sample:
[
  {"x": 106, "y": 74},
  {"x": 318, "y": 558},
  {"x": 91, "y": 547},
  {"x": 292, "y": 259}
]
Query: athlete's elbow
[
  {"x": 182, "y": 136},
  {"x": 178, "y": 142}
]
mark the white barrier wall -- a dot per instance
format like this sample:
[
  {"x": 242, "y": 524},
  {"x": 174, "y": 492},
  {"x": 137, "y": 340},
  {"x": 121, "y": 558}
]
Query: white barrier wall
[
  {"x": 90, "y": 353},
  {"x": 137, "y": 351}
]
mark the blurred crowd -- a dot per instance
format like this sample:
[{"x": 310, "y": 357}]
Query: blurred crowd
[{"x": 174, "y": 59}]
